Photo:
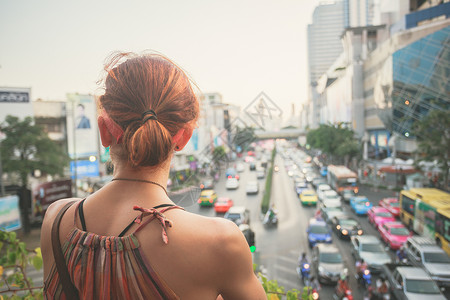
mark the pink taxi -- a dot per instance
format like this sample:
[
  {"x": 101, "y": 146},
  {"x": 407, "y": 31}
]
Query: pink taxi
[
  {"x": 379, "y": 215},
  {"x": 392, "y": 205},
  {"x": 394, "y": 234}
]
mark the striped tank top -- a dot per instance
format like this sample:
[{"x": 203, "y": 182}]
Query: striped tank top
[{"x": 111, "y": 267}]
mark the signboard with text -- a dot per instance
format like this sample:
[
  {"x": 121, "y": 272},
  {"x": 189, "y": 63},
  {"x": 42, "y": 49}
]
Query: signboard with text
[
  {"x": 15, "y": 102},
  {"x": 46, "y": 193}
]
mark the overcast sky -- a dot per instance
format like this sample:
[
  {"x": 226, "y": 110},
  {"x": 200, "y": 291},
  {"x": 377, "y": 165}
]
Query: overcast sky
[{"x": 235, "y": 47}]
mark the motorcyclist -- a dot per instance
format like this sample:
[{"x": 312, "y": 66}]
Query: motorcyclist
[
  {"x": 303, "y": 260},
  {"x": 360, "y": 265},
  {"x": 401, "y": 255},
  {"x": 342, "y": 286}
]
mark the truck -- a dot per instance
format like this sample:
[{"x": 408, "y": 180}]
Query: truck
[{"x": 408, "y": 282}]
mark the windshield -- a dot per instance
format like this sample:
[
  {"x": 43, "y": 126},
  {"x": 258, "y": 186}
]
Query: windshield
[
  {"x": 348, "y": 222},
  {"x": 318, "y": 230},
  {"x": 363, "y": 202},
  {"x": 399, "y": 231},
  {"x": 331, "y": 258},
  {"x": 384, "y": 214},
  {"x": 394, "y": 204},
  {"x": 233, "y": 216},
  {"x": 308, "y": 194},
  {"x": 372, "y": 248},
  {"x": 436, "y": 257},
  {"x": 422, "y": 286}
]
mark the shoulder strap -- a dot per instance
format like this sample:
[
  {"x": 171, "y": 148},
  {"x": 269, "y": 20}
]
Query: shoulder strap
[{"x": 69, "y": 289}]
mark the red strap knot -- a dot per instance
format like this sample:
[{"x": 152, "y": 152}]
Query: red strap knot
[{"x": 154, "y": 215}]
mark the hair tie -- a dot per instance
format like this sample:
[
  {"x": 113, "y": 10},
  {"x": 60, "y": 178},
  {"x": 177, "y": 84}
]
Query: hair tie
[{"x": 148, "y": 115}]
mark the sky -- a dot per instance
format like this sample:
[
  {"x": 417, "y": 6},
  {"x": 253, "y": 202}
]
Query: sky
[{"x": 236, "y": 48}]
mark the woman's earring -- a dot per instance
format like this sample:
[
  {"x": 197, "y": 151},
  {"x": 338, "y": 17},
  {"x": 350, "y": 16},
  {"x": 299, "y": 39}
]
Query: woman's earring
[{"x": 177, "y": 148}]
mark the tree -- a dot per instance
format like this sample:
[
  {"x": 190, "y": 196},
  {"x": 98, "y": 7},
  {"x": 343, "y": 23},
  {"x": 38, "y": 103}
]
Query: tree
[
  {"x": 433, "y": 137},
  {"x": 334, "y": 140},
  {"x": 244, "y": 137},
  {"x": 27, "y": 148}
]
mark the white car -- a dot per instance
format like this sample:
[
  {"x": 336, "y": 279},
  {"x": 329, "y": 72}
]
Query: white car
[
  {"x": 321, "y": 190},
  {"x": 331, "y": 195},
  {"x": 240, "y": 167},
  {"x": 232, "y": 184},
  {"x": 252, "y": 187},
  {"x": 331, "y": 203}
]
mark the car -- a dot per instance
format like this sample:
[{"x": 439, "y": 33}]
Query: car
[
  {"x": 223, "y": 204},
  {"x": 252, "y": 166},
  {"x": 316, "y": 181},
  {"x": 318, "y": 232},
  {"x": 231, "y": 173},
  {"x": 252, "y": 187},
  {"x": 308, "y": 197},
  {"x": 238, "y": 214},
  {"x": 207, "y": 198},
  {"x": 330, "y": 203},
  {"x": 207, "y": 184},
  {"x": 424, "y": 252},
  {"x": 327, "y": 264},
  {"x": 360, "y": 205},
  {"x": 409, "y": 282},
  {"x": 310, "y": 176},
  {"x": 232, "y": 184},
  {"x": 345, "y": 226},
  {"x": 240, "y": 167},
  {"x": 378, "y": 215},
  {"x": 328, "y": 213},
  {"x": 347, "y": 194},
  {"x": 395, "y": 234},
  {"x": 321, "y": 189},
  {"x": 369, "y": 248},
  {"x": 300, "y": 187},
  {"x": 331, "y": 195},
  {"x": 260, "y": 173},
  {"x": 392, "y": 205}
]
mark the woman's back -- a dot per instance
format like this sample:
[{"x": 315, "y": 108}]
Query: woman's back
[{"x": 192, "y": 265}]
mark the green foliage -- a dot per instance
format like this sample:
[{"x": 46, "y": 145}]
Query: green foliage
[
  {"x": 15, "y": 257},
  {"x": 333, "y": 140},
  {"x": 276, "y": 292},
  {"x": 268, "y": 187},
  {"x": 219, "y": 155},
  {"x": 244, "y": 137},
  {"x": 433, "y": 137},
  {"x": 27, "y": 148}
]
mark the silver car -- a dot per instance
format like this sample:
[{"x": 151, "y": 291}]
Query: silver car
[
  {"x": 327, "y": 263},
  {"x": 370, "y": 248}
]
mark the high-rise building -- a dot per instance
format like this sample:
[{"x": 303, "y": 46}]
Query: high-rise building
[
  {"x": 324, "y": 44},
  {"x": 358, "y": 13}
]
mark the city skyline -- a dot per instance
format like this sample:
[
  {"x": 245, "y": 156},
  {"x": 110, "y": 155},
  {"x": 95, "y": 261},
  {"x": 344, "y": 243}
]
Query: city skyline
[{"x": 235, "y": 49}]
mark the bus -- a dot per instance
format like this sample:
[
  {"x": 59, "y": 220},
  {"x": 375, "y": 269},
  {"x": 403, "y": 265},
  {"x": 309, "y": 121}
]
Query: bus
[
  {"x": 443, "y": 229},
  {"x": 341, "y": 178},
  {"x": 417, "y": 210}
]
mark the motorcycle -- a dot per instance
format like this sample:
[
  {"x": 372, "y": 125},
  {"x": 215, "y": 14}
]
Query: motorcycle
[
  {"x": 347, "y": 295},
  {"x": 270, "y": 219},
  {"x": 303, "y": 272}
]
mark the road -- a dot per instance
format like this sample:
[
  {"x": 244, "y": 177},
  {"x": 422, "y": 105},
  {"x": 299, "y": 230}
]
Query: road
[{"x": 278, "y": 248}]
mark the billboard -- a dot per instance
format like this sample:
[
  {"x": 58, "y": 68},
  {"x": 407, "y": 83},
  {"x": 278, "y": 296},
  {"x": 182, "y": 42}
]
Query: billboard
[
  {"x": 16, "y": 102},
  {"x": 85, "y": 168},
  {"x": 82, "y": 133},
  {"x": 46, "y": 193},
  {"x": 9, "y": 213}
]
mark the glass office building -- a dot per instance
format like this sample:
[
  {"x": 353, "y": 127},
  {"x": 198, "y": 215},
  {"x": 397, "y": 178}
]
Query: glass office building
[{"x": 421, "y": 73}]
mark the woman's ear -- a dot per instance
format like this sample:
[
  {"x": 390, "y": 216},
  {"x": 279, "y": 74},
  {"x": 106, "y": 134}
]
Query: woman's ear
[
  {"x": 105, "y": 135},
  {"x": 182, "y": 137}
]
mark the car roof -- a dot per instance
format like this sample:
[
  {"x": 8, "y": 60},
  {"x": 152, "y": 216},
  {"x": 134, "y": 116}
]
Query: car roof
[
  {"x": 379, "y": 208},
  {"x": 308, "y": 191},
  {"x": 424, "y": 244},
  {"x": 236, "y": 209},
  {"x": 314, "y": 221},
  {"x": 394, "y": 224},
  {"x": 413, "y": 273},
  {"x": 208, "y": 192},
  {"x": 322, "y": 186},
  {"x": 327, "y": 248},
  {"x": 367, "y": 239},
  {"x": 360, "y": 198}
]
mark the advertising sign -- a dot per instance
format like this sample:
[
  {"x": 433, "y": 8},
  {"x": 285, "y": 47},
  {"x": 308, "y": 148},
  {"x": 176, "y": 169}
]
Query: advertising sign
[
  {"x": 46, "y": 193},
  {"x": 82, "y": 133},
  {"x": 9, "y": 213},
  {"x": 85, "y": 168},
  {"x": 15, "y": 102}
]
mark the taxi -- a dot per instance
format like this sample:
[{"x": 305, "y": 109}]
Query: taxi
[
  {"x": 308, "y": 197},
  {"x": 360, "y": 205},
  {"x": 207, "y": 198}
]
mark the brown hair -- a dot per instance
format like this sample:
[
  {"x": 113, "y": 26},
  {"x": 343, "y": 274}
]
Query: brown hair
[{"x": 138, "y": 83}]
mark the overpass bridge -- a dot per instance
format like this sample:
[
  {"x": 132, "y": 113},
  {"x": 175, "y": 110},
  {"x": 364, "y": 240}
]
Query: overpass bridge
[{"x": 288, "y": 133}]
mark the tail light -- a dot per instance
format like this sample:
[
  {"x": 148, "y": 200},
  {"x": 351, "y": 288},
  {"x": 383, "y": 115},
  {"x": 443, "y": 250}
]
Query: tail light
[
  {"x": 199, "y": 200},
  {"x": 202, "y": 186},
  {"x": 237, "y": 177},
  {"x": 229, "y": 176},
  {"x": 367, "y": 203},
  {"x": 210, "y": 200}
]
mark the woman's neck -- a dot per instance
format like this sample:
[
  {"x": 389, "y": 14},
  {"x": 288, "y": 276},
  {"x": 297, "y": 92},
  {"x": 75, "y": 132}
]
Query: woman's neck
[{"x": 159, "y": 174}]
